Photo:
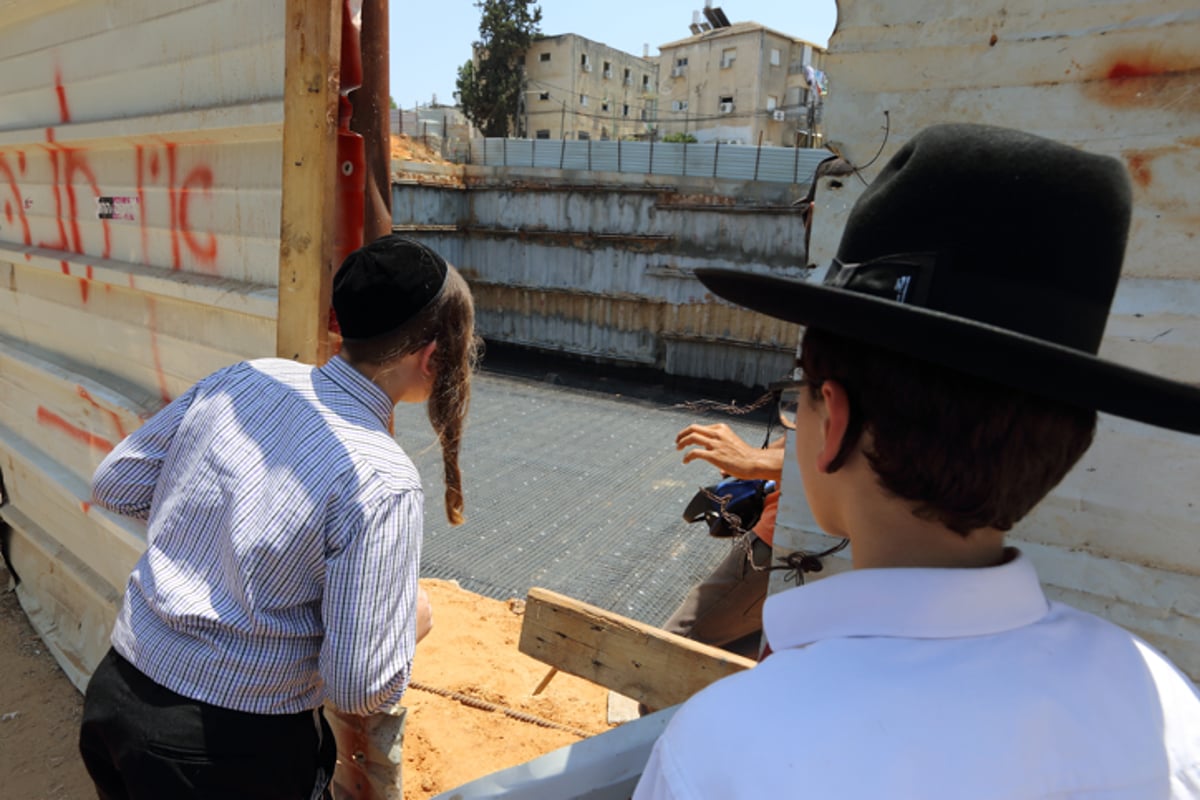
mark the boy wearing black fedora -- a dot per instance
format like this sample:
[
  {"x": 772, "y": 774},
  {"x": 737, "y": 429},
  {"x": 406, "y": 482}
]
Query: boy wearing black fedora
[
  {"x": 949, "y": 383},
  {"x": 283, "y": 543}
]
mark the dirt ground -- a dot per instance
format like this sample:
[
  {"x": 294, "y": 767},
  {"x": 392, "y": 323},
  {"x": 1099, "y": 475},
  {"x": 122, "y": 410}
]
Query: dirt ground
[
  {"x": 406, "y": 148},
  {"x": 472, "y": 652}
]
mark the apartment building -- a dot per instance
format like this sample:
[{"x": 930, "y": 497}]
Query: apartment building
[
  {"x": 740, "y": 83},
  {"x": 576, "y": 88}
]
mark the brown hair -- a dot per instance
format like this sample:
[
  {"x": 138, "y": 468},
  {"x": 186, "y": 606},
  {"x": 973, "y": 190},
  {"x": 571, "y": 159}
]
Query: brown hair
[
  {"x": 970, "y": 453},
  {"x": 450, "y": 319}
]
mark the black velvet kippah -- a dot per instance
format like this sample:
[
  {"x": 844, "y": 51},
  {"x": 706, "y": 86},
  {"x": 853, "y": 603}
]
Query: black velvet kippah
[{"x": 384, "y": 284}]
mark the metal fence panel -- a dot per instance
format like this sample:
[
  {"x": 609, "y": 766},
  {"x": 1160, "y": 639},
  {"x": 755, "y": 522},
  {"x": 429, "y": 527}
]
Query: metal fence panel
[
  {"x": 730, "y": 162},
  {"x": 604, "y": 157},
  {"x": 635, "y": 157},
  {"x": 735, "y": 161},
  {"x": 577, "y": 155}
]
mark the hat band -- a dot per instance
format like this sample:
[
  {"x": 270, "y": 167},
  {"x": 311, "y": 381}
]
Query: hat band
[{"x": 982, "y": 296}]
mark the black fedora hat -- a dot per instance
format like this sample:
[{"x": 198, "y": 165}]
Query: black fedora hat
[{"x": 989, "y": 251}]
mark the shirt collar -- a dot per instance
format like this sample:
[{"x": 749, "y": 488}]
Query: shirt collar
[
  {"x": 358, "y": 386},
  {"x": 912, "y": 603}
]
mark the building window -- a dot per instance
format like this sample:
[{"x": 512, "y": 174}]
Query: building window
[
  {"x": 645, "y": 115},
  {"x": 679, "y": 105},
  {"x": 774, "y": 57},
  {"x": 584, "y": 136},
  {"x": 772, "y": 101},
  {"x": 583, "y": 99},
  {"x": 625, "y": 110},
  {"x": 681, "y": 62},
  {"x": 543, "y": 133},
  {"x": 628, "y": 80},
  {"x": 543, "y": 95},
  {"x": 584, "y": 63},
  {"x": 645, "y": 83},
  {"x": 607, "y": 69},
  {"x": 728, "y": 56},
  {"x": 544, "y": 57},
  {"x": 604, "y": 106},
  {"x": 793, "y": 96},
  {"x": 726, "y": 104}
]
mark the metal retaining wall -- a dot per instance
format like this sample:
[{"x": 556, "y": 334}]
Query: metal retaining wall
[
  {"x": 601, "y": 264},
  {"x": 1121, "y": 536},
  {"x": 140, "y": 171}
]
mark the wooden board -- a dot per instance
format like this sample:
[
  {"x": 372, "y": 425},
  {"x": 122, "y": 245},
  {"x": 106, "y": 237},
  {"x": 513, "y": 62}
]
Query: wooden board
[
  {"x": 310, "y": 118},
  {"x": 645, "y": 663}
]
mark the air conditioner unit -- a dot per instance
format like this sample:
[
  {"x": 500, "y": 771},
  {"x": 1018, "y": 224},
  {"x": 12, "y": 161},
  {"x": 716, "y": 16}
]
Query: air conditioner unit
[
  {"x": 778, "y": 115},
  {"x": 587, "y": 67},
  {"x": 677, "y": 72},
  {"x": 726, "y": 108},
  {"x": 608, "y": 73},
  {"x": 726, "y": 63},
  {"x": 629, "y": 81}
]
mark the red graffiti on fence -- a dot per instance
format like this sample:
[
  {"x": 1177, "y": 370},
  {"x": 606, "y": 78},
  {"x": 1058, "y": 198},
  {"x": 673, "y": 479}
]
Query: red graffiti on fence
[
  {"x": 116, "y": 418},
  {"x": 152, "y": 313},
  {"x": 17, "y": 201},
  {"x": 49, "y": 419},
  {"x": 74, "y": 186}
]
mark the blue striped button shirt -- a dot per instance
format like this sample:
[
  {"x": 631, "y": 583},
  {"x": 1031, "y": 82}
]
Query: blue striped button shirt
[{"x": 283, "y": 542}]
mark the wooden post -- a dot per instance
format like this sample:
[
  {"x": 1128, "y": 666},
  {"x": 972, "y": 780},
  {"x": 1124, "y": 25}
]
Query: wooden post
[{"x": 310, "y": 117}]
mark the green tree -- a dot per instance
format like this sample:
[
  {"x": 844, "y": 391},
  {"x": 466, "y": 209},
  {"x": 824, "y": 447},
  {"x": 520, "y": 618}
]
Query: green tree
[
  {"x": 489, "y": 87},
  {"x": 686, "y": 138}
]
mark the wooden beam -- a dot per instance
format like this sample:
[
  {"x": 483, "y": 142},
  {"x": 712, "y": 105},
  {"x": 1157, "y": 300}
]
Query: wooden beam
[
  {"x": 310, "y": 120},
  {"x": 645, "y": 663}
]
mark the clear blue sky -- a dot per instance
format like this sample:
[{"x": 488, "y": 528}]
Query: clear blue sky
[{"x": 430, "y": 39}]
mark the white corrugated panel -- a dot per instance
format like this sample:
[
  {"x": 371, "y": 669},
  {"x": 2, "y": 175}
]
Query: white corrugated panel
[
  {"x": 140, "y": 169},
  {"x": 1121, "y": 536},
  {"x": 733, "y": 162}
]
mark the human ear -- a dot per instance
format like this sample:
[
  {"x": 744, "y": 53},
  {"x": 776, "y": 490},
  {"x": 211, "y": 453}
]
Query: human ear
[
  {"x": 425, "y": 358},
  {"x": 835, "y": 421}
]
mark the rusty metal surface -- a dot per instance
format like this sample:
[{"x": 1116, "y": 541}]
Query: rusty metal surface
[{"x": 1119, "y": 536}]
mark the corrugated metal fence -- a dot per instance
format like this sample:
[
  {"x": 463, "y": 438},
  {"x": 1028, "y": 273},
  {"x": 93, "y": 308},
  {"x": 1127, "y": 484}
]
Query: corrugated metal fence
[{"x": 720, "y": 161}]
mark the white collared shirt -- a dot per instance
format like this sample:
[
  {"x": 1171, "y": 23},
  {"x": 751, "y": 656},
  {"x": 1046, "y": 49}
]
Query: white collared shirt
[{"x": 936, "y": 683}]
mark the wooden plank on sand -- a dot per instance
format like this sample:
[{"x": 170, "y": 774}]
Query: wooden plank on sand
[{"x": 637, "y": 660}]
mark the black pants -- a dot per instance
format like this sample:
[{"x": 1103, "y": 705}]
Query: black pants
[{"x": 141, "y": 741}]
